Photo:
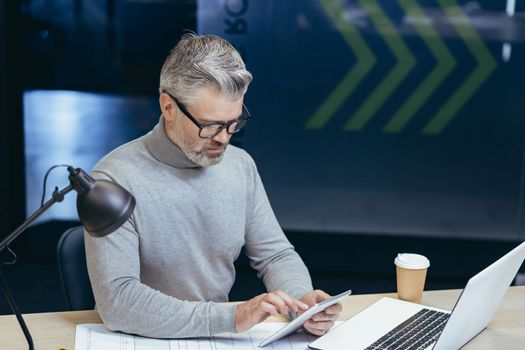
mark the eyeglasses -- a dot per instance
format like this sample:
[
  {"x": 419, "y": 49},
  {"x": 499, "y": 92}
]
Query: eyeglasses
[{"x": 207, "y": 131}]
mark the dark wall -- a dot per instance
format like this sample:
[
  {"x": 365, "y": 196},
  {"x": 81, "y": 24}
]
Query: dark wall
[
  {"x": 464, "y": 180},
  {"x": 11, "y": 133},
  {"x": 125, "y": 44},
  {"x": 382, "y": 117}
]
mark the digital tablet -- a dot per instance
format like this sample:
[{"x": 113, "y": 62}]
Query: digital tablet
[{"x": 299, "y": 320}]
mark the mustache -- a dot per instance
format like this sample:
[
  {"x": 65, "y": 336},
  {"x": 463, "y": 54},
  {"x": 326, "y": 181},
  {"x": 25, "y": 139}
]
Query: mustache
[{"x": 216, "y": 145}]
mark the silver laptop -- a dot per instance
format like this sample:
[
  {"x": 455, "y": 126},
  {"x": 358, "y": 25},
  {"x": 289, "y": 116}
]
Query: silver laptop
[{"x": 395, "y": 324}]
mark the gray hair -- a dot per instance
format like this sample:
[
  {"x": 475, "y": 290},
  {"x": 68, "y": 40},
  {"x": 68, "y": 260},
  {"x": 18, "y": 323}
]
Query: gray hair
[{"x": 203, "y": 60}]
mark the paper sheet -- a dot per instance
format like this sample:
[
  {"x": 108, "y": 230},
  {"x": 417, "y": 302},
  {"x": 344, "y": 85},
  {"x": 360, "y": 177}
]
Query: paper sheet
[{"x": 98, "y": 337}]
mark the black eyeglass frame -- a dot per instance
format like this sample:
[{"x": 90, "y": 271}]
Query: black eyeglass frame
[{"x": 242, "y": 120}]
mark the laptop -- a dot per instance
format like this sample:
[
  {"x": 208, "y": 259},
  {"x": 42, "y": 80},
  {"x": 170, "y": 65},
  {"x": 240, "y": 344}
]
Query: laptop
[{"x": 395, "y": 324}]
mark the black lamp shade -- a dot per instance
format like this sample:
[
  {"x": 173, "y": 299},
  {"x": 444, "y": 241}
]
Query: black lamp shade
[{"x": 104, "y": 207}]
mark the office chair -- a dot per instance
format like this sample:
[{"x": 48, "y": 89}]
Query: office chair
[{"x": 73, "y": 270}]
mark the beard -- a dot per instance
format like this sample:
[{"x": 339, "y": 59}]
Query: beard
[
  {"x": 199, "y": 156},
  {"x": 203, "y": 160}
]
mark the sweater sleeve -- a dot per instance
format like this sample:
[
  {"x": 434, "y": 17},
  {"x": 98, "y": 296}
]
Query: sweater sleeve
[
  {"x": 268, "y": 249},
  {"x": 127, "y": 305}
]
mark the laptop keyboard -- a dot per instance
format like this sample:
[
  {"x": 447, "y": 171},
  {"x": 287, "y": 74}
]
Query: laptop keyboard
[{"x": 417, "y": 332}]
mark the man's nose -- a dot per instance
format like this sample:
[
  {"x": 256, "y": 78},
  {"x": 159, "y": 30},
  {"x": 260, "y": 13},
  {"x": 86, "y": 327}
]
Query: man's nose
[{"x": 222, "y": 137}]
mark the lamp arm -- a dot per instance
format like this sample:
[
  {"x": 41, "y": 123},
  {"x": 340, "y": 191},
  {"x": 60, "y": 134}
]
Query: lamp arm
[
  {"x": 108, "y": 198},
  {"x": 58, "y": 196}
]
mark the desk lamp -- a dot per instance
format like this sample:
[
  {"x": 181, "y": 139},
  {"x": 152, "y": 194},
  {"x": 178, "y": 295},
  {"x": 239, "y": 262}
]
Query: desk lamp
[{"x": 102, "y": 206}]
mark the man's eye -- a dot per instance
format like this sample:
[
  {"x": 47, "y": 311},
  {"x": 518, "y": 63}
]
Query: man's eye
[{"x": 213, "y": 126}]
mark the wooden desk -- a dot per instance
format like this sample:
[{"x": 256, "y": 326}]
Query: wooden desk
[{"x": 52, "y": 331}]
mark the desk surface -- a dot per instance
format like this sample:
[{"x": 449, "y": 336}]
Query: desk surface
[{"x": 52, "y": 331}]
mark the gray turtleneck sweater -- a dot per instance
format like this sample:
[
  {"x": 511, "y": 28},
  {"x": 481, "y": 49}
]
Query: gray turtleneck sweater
[{"x": 165, "y": 271}]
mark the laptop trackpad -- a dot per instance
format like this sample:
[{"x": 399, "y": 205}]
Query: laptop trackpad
[{"x": 367, "y": 326}]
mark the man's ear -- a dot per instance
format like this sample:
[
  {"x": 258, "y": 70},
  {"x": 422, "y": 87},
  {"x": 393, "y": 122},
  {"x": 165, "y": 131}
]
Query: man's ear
[{"x": 167, "y": 107}]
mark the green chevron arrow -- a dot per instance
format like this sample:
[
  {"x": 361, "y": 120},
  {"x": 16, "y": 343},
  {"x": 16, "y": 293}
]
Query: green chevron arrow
[
  {"x": 445, "y": 65},
  {"x": 365, "y": 61},
  {"x": 405, "y": 63},
  {"x": 486, "y": 65}
]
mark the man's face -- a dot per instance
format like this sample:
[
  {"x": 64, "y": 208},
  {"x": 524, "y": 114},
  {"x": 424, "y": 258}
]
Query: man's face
[{"x": 209, "y": 107}]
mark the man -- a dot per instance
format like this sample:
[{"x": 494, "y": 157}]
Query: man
[{"x": 165, "y": 272}]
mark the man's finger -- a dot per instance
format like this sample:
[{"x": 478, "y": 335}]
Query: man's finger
[
  {"x": 289, "y": 301},
  {"x": 334, "y": 309},
  {"x": 318, "y": 327},
  {"x": 279, "y": 303},
  {"x": 321, "y": 325},
  {"x": 294, "y": 304},
  {"x": 321, "y": 295},
  {"x": 315, "y": 331},
  {"x": 269, "y": 308},
  {"x": 323, "y": 316}
]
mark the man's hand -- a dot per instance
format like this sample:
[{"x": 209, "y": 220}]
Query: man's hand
[
  {"x": 321, "y": 322},
  {"x": 262, "y": 306}
]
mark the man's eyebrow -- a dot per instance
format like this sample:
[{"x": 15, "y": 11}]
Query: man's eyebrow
[{"x": 210, "y": 122}]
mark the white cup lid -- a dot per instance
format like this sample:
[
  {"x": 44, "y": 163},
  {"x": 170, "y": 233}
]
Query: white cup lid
[{"x": 412, "y": 261}]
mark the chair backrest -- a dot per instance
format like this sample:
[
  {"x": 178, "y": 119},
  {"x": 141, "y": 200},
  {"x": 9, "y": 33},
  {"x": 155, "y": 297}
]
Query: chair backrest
[{"x": 73, "y": 270}]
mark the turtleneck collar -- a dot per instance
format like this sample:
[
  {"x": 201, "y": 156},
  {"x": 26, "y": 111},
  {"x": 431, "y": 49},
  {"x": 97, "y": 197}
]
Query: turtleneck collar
[{"x": 164, "y": 150}]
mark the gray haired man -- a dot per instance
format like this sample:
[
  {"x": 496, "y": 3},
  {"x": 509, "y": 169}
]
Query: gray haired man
[{"x": 167, "y": 270}]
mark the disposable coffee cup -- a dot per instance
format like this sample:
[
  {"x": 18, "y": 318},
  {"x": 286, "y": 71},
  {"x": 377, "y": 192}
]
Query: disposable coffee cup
[{"x": 411, "y": 272}]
